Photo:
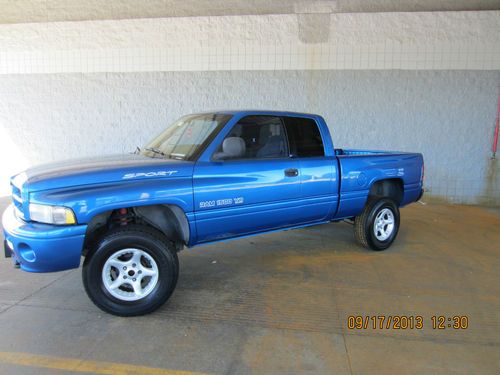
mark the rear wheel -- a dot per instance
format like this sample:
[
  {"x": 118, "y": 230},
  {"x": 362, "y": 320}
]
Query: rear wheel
[
  {"x": 132, "y": 271},
  {"x": 377, "y": 226}
]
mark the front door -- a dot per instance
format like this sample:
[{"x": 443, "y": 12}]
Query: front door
[{"x": 250, "y": 184}]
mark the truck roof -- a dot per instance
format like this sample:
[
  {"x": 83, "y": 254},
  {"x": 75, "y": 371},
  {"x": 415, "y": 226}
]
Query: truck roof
[{"x": 262, "y": 112}]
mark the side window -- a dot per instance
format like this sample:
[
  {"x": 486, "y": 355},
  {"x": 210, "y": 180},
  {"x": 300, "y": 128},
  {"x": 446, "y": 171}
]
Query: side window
[
  {"x": 254, "y": 137},
  {"x": 304, "y": 137}
]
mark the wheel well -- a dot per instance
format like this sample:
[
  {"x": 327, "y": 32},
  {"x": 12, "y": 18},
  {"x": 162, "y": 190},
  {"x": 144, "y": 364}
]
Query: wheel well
[
  {"x": 168, "y": 219},
  {"x": 390, "y": 188}
]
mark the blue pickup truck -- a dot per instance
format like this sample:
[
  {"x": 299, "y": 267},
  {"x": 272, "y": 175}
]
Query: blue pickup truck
[{"x": 208, "y": 177}]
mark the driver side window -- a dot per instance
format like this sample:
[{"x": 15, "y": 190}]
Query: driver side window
[{"x": 254, "y": 137}]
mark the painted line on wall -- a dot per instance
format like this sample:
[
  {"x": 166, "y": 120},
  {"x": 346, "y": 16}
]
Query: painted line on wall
[{"x": 81, "y": 365}]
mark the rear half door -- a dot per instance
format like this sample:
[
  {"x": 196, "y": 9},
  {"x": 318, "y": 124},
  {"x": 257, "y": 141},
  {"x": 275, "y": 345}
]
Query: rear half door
[
  {"x": 247, "y": 183},
  {"x": 318, "y": 170}
]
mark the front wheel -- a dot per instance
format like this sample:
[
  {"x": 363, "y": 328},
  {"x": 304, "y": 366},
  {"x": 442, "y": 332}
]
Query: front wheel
[
  {"x": 377, "y": 226},
  {"x": 132, "y": 271}
]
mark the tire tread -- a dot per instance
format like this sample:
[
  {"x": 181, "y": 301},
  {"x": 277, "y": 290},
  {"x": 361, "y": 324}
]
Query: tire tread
[{"x": 360, "y": 224}]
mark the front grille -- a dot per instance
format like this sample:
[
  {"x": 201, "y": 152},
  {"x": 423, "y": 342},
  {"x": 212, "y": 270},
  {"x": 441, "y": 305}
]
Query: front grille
[{"x": 17, "y": 200}]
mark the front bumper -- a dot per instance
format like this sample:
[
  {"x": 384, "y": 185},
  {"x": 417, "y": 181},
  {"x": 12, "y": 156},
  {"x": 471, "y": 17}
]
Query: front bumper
[{"x": 42, "y": 247}]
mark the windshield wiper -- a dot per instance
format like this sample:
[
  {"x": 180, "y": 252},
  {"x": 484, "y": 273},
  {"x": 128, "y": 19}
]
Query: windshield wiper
[{"x": 155, "y": 151}]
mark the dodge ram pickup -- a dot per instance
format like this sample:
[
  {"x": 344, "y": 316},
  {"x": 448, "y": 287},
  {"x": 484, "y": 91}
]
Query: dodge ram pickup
[{"x": 208, "y": 177}]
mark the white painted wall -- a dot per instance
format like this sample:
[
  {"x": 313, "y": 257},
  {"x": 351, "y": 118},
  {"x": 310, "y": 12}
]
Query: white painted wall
[
  {"x": 429, "y": 40},
  {"x": 411, "y": 81}
]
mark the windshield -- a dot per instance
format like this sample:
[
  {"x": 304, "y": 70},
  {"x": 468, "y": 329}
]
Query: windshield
[{"x": 187, "y": 137}]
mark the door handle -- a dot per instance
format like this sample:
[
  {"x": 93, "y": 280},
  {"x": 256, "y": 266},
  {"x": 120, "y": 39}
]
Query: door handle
[{"x": 291, "y": 172}]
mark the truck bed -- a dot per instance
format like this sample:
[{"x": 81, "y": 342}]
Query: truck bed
[{"x": 360, "y": 169}]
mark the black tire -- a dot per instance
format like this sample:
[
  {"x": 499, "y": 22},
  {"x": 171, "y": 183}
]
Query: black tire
[
  {"x": 364, "y": 224},
  {"x": 152, "y": 245}
]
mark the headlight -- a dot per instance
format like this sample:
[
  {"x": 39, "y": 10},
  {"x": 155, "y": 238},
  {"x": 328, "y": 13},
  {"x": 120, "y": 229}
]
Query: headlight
[{"x": 51, "y": 214}]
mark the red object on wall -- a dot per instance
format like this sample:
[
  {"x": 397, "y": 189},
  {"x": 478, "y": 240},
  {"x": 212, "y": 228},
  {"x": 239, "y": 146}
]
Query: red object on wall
[
  {"x": 497, "y": 125},
  {"x": 495, "y": 138}
]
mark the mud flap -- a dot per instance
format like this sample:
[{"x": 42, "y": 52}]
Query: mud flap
[
  {"x": 421, "y": 195},
  {"x": 7, "y": 250}
]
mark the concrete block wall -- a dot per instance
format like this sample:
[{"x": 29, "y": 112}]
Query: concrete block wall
[{"x": 424, "y": 82}]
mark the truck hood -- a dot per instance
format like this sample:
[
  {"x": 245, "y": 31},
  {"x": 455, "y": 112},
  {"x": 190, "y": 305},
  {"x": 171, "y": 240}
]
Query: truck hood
[{"x": 98, "y": 170}]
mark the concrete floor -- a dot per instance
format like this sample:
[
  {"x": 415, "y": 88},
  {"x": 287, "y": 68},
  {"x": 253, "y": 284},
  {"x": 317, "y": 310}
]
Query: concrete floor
[{"x": 279, "y": 303}]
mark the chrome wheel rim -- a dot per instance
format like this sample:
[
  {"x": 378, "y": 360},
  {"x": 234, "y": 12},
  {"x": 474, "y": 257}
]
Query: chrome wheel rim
[
  {"x": 130, "y": 274},
  {"x": 384, "y": 224}
]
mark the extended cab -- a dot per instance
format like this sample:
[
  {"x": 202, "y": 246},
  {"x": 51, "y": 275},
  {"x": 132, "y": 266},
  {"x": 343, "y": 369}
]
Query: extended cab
[{"x": 208, "y": 177}]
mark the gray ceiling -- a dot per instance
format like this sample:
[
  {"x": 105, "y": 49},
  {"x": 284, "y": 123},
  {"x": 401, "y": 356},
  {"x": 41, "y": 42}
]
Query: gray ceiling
[{"x": 20, "y": 11}]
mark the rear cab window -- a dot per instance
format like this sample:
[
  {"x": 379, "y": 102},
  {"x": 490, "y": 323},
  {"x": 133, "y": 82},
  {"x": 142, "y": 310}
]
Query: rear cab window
[{"x": 304, "y": 137}]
